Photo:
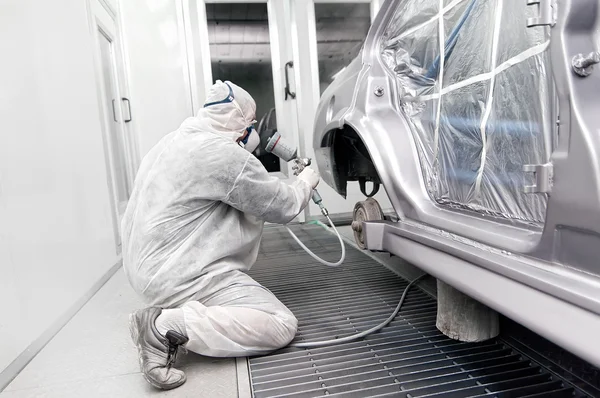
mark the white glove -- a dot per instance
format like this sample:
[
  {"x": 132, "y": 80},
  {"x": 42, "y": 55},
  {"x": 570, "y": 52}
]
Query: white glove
[{"x": 310, "y": 176}]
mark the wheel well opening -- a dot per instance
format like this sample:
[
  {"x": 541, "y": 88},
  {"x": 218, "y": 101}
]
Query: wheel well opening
[{"x": 352, "y": 161}]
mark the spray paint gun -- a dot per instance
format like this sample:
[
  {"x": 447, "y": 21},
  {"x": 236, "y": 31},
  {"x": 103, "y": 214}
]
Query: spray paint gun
[{"x": 283, "y": 150}]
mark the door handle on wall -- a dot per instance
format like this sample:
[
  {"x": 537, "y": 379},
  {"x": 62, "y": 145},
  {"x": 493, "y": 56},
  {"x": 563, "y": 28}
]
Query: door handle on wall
[
  {"x": 288, "y": 93},
  {"x": 128, "y": 118}
]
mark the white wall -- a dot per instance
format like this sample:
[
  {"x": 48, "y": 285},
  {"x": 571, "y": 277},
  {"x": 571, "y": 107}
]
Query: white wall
[
  {"x": 158, "y": 73},
  {"x": 56, "y": 232}
]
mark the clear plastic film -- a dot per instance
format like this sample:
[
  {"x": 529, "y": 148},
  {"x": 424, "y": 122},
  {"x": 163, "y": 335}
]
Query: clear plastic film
[{"x": 475, "y": 86}]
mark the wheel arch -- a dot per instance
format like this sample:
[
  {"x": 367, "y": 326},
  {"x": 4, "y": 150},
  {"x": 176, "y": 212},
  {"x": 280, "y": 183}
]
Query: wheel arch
[{"x": 351, "y": 160}]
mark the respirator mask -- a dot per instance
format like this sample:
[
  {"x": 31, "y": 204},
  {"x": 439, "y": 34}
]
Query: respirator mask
[{"x": 251, "y": 141}]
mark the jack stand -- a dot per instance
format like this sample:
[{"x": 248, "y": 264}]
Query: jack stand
[{"x": 462, "y": 318}]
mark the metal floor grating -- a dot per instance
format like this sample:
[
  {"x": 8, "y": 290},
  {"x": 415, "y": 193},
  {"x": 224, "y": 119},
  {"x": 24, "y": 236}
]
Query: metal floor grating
[{"x": 408, "y": 358}]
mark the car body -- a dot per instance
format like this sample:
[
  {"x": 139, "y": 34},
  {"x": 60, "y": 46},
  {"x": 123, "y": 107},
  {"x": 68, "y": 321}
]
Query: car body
[{"x": 494, "y": 168}]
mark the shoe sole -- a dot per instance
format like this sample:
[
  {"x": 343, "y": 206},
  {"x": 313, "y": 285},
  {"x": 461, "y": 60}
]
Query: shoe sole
[{"x": 135, "y": 334}]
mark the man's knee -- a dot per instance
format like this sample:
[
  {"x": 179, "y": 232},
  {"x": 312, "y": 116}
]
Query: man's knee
[{"x": 286, "y": 330}]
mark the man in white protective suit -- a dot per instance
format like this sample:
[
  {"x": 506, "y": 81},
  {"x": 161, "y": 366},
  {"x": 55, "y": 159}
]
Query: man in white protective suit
[{"x": 193, "y": 227}]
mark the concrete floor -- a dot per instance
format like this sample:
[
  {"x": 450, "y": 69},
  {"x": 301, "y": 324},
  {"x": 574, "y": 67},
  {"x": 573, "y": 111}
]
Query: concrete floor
[{"x": 93, "y": 355}]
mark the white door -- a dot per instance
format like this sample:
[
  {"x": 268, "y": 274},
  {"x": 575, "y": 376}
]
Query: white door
[{"x": 119, "y": 143}]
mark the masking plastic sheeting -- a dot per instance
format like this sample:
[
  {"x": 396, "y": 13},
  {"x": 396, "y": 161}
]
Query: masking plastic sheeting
[
  {"x": 411, "y": 14},
  {"x": 515, "y": 136},
  {"x": 516, "y": 37},
  {"x": 473, "y": 56},
  {"x": 410, "y": 54},
  {"x": 490, "y": 112},
  {"x": 460, "y": 143}
]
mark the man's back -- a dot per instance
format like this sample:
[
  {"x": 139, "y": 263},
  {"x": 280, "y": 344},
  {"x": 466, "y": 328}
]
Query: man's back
[{"x": 176, "y": 212}]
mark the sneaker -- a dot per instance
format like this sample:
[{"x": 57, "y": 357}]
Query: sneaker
[{"x": 157, "y": 353}]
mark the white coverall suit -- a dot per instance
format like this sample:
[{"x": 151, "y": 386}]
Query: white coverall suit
[{"x": 193, "y": 226}]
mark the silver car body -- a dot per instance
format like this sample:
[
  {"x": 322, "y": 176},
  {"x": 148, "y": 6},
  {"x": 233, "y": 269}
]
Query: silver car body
[{"x": 531, "y": 248}]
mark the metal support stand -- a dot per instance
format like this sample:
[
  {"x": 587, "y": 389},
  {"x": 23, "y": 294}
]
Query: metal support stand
[{"x": 462, "y": 318}]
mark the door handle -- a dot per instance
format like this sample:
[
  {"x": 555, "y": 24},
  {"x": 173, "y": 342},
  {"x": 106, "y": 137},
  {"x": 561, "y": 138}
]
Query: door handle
[
  {"x": 128, "y": 119},
  {"x": 288, "y": 93}
]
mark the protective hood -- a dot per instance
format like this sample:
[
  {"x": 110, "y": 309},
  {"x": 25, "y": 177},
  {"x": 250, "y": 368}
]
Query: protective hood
[{"x": 227, "y": 116}]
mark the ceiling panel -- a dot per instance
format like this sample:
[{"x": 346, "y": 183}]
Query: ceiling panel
[
  {"x": 237, "y": 11},
  {"x": 342, "y": 10},
  {"x": 240, "y": 32},
  {"x": 254, "y": 71}
]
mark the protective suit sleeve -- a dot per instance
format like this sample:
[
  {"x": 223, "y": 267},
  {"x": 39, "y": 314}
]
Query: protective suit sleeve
[
  {"x": 310, "y": 176},
  {"x": 264, "y": 196}
]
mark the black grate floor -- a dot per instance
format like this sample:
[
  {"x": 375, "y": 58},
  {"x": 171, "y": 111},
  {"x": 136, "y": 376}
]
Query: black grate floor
[{"x": 408, "y": 358}]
